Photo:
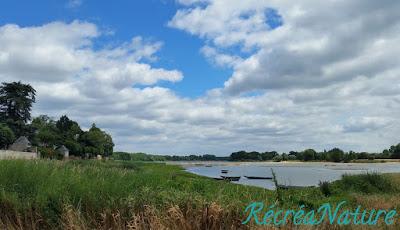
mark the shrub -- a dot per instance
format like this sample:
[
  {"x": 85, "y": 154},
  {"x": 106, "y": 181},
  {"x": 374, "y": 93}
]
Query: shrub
[
  {"x": 367, "y": 183},
  {"x": 277, "y": 158},
  {"x": 324, "y": 186},
  {"x": 6, "y": 136},
  {"x": 49, "y": 153}
]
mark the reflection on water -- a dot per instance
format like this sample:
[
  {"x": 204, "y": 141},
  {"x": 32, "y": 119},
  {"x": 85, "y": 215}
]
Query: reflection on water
[{"x": 292, "y": 174}]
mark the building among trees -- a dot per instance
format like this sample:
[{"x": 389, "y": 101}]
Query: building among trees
[{"x": 22, "y": 144}]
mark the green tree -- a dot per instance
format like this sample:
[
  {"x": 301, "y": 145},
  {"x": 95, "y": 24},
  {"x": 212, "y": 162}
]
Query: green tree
[
  {"x": 69, "y": 132},
  {"x": 97, "y": 142},
  {"x": 7, "y": 136},
  {"x": 395, "y": 151},
  {"x": 46, "y": 132},
  {"x": 336, "y": 155},
  {"x": 309, "y": 154},
  {"x": 16, "y": 101}
]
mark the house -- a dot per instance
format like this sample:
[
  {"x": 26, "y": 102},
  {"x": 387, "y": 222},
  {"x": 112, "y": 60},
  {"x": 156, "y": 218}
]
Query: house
[
  {"x": 22, "y": 144},
  {"x": 63, "y": 151}
]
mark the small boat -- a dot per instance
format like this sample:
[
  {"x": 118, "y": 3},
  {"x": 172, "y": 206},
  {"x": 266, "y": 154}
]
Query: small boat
[
  {"x": 258, "y": 177},
  {"x": 208, "y": 165},
  {"x": 293, "y": 186},
  {"x": 218, "y": 178},
  {"x": 231, "y": 178},
  {"x": 224, "y": 171}
]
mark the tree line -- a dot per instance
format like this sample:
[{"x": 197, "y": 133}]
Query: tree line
[
  {"x": 16, "y": 100},
  {"x": 149, "y": 157},
  {"x": 333, "y": 155}
]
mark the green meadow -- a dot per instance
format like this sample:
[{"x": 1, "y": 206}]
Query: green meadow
[{"x": 91, "y": 194}]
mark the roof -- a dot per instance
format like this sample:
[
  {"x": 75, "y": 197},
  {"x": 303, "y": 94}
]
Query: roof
[
  {"x": 62, "y": 148},
  {"x": 22, "y": 140},
  {"x": 21, "y": 144}
]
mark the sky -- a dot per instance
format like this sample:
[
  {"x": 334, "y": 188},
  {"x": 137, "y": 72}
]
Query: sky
[{"x": 212, "y": 76}]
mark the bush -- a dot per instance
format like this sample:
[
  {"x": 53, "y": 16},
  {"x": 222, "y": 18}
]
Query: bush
[
  {"x": 277, "y": 158},
  {"x": 367, "y": 183},
  {"x": 49, "y": 153},
  {"x": 324, "y": 186},
  {"x": 7, "y": 136}
]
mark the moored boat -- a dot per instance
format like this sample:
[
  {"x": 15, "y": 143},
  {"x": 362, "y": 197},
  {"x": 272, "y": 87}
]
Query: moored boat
[
  {"x": 258, "y": 178},
  {"x": 231, "y": 178}
]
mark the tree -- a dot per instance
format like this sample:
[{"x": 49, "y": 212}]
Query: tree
[
  {"x": 46, "y": 132},
  {"x": 309, "y": 155},
  {"x": 336, "y": 155},
  {"x": 7, "y": 136},
  {"x": 16, "y": 101},
  {"x": 70, "y": 131},
  {"x": 395, "y": 151},
  {"x": 97, "y": 142}
]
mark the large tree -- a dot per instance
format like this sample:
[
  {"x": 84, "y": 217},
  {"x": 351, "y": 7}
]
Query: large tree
[
  {"x": 70, "y": 131},
  {"x": 97, "y": 142},
  {"x": 16, "y": 101},
  {"x": 46, "y": 132}
]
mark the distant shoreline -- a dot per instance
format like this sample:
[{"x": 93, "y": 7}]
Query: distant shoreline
[{"x": 283, "y": 163}]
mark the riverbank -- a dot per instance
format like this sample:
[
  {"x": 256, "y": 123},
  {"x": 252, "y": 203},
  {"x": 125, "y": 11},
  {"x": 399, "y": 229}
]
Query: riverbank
[
  {"x": 136, "y": 195},
  {"x": 286, "y": 163}
]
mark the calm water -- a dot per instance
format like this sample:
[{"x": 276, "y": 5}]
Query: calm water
[{"x": 293, "y": 174}]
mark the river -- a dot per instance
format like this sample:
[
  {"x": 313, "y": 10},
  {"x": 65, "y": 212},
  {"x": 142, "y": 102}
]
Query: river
[{"x": 287, "y": 173}]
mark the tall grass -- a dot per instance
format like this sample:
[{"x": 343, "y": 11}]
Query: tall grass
[
  {"x": 136, "y": 195},
  {"x": 53, "y": 190},
  {"x": 368, "y": 183}
]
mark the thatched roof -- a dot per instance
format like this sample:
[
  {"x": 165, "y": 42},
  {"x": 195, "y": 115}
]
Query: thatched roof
[{"x": 21, "y": 144}]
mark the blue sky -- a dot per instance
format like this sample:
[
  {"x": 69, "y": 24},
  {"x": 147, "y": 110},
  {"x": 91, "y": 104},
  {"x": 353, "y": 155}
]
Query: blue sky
[
  {"x": 146, "y": 18},
  {"x": 231, "y": 74}
]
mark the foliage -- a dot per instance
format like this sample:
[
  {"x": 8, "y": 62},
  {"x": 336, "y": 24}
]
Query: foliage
[
  {"x": 309, "y": 155},
  {"x": 395, "y": 151},
  {"x": 7, "y": 136},
  {"x": 46, "y": 132},
  {"x": 277, "y": 158},
  {"x": 335, "y": 155},
  {"x": 367, "y": 183},
  {"x": 49, "y": 153},
  {"x": 324, "y": 186},
  {"x": 97, "y": 142},
  {"x": 16, "y": 101},
  {"x": 253, "y": 156}
]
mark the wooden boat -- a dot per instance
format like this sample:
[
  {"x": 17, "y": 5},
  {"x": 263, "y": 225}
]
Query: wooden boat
[
  {"x": 258, "y": 178},
  {"x": 293, "y": 186},
  {"x": 231, "y": 178},
  {"x": 218, "y": 178},
  {"x": 224, "y": 171}
]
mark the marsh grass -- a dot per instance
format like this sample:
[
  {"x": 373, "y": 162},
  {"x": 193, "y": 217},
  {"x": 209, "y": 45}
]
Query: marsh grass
[
  {"x": 55, "y": 192},
  {"x": 87, "y": 194},
  {"x": 368, "y": 183}
]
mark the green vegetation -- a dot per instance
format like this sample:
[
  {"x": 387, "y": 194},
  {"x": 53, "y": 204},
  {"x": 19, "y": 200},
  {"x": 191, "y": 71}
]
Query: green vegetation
[
  {"x": 16, "y": 100},
  {"x": 333, "y": 155},
  {"x": 6, "y": 136},
  {"x": 116, "y": 194}
]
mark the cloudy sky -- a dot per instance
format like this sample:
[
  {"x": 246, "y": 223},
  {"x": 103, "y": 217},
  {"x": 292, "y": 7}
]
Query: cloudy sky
[{"x": 212, "y": 76}]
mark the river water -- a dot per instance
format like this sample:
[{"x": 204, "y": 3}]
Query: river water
[{"x": 289, "y": 174}]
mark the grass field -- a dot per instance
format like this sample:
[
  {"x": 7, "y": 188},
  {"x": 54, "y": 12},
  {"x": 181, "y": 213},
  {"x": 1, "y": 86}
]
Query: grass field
[{"x": 136, "y": 195}]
